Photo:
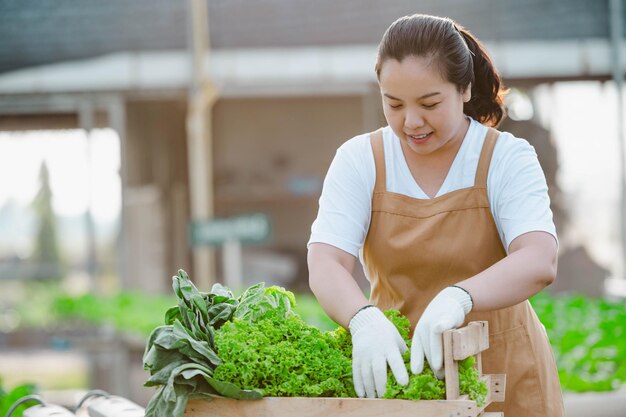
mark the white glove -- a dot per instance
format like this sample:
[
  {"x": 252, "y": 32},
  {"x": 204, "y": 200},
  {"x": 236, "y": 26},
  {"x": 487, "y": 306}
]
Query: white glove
[
  {"x": 446, "y": 311},
  {"x": 375, "y": 342}
]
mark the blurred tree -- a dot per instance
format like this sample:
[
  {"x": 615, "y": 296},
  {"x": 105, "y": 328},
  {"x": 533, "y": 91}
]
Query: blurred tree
[{"x": 46, "y": 258}]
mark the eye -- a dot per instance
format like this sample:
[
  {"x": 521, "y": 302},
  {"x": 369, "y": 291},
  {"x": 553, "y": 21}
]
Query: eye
[
  {"x": 397, "y": 106},
  {"x": 430, "y": 106}
]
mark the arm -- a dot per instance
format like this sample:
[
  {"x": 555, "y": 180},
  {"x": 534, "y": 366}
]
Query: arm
[
  {"x": 330, "y": 279},
  {"x": 376, "y": 342},
  {"x": 530, "y": 267}
]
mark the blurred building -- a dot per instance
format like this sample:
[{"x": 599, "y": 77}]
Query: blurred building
[{"x": 295, "y": 79}]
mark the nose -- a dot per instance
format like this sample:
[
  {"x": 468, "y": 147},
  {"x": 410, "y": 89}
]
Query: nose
[{"x": 413, "y": 119}]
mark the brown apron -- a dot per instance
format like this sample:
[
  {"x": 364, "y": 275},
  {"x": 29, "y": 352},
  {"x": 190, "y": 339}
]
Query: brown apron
[{"x": 416, "y": 247}]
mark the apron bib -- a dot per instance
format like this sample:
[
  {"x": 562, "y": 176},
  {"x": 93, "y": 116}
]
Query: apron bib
[{"x": 416, "y": 247}]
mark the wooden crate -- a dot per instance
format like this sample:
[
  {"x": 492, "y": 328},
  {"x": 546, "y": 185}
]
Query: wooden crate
[{"x": 458, "y": 345}]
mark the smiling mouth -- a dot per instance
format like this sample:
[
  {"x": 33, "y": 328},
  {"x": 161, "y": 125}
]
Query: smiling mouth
[{"x": 420, "y": 138}]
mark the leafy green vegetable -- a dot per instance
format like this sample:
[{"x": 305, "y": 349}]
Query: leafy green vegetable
[
  {"x": 9, "y": 397},
  {"x": 255, "y": 345},
  {"x": 180, "y": 355},
  {"x": 426, "y": 386},
  {"x": 470, "y": 383},
  {"x": 282, "y": 356}
]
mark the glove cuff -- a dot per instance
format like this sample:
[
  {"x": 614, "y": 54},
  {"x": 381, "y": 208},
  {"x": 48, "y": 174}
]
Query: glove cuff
[
  {"x": 461, "y": 295},
  {"x": 364, "y": 317}
]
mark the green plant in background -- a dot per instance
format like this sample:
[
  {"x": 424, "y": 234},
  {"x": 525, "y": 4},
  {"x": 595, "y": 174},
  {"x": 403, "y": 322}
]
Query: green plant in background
[
  {"x": 126, "y": 311},
  {"x": 130, "y": 311},
  {"x": 588, "y": 337},
  {"x": 9, "y": 397}
]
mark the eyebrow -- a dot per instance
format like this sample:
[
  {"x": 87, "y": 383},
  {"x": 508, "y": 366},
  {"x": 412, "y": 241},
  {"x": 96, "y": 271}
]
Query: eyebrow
[{"x": 420, "y": 98}]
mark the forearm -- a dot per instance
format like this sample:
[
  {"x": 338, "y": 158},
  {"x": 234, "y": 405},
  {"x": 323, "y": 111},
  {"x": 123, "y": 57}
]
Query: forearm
[
  {"x": 335, "y": 289},
  {"x": 515, "y": 278}
]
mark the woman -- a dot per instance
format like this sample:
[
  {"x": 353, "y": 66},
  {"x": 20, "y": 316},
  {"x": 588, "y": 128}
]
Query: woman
[{"x": 451, "y": 219}]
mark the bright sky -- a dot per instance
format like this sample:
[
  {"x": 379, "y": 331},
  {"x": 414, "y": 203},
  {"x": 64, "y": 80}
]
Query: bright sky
[{"x": 65, "y": 152}]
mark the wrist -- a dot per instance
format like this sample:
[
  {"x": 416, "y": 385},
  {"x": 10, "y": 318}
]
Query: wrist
[
  {"x": 365, "y": 315},
  {"x": 462, "y": 296}
]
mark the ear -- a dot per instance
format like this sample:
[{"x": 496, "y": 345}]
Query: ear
[{"x": 467, "y": 94}]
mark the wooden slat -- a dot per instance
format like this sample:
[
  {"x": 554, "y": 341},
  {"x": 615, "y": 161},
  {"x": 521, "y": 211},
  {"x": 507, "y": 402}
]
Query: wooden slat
[
  {"x": 451, "y": 368},
  {"x": 497, "y": 385},
  {"x": 329, "y": 407},
  {"x": 495, "y": 389},
  {"x": 470, "y": 340}
]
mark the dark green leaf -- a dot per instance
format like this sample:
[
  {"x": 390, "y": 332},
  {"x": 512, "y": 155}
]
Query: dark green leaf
[
  {"x": 160, "y": 406},
  {"x": 151, "y": 339},
  {"x": 184, "y": 336},
  {"x": 220, "y": 290},
  {"x": 172, "y": 314},
  {"x": 229, "y": 390},
  {"x": 162, "y": 376}
]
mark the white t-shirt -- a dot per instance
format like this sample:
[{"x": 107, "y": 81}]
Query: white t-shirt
[{"x": 516, "y": 187}]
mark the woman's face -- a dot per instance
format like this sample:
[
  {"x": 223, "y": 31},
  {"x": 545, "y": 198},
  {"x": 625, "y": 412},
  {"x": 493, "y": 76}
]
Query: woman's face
[{"x": 424, "y": 110}]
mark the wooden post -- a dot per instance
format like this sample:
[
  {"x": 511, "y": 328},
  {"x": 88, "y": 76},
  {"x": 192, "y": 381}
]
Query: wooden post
[{"x": 202, "y": 95}]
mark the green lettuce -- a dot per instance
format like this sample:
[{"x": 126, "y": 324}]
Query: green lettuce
[{"x": 255, "y": 345}]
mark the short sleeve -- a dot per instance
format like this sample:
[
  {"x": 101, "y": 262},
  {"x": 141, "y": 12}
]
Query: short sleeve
[
  {"x": 345, "y": 203},
  {"x": 518, "y": 190}
]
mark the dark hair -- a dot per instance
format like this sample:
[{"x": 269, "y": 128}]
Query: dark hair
[{"x": 460, "y": 56}]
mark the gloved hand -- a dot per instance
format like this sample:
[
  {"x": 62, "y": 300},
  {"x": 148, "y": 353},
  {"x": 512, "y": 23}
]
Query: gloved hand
[
  {"x": 375, "y": 342},
  {"x": 446, "y": 311}
]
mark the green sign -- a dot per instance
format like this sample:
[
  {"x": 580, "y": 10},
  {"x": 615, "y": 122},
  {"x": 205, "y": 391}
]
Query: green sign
[{"x": 249, "y": 228}]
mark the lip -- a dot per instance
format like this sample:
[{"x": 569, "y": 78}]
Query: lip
[{"x": 413, "y": 138}]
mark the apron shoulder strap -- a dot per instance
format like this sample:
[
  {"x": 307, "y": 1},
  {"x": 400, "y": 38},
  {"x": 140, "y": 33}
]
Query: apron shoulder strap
[
  {"x": 485, "y": 158},
  {"x": 376, "y": 140}
]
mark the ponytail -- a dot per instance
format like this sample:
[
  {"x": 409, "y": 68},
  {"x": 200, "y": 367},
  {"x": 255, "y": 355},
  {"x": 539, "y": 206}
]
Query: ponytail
[{"x": 487, "y": 102}]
